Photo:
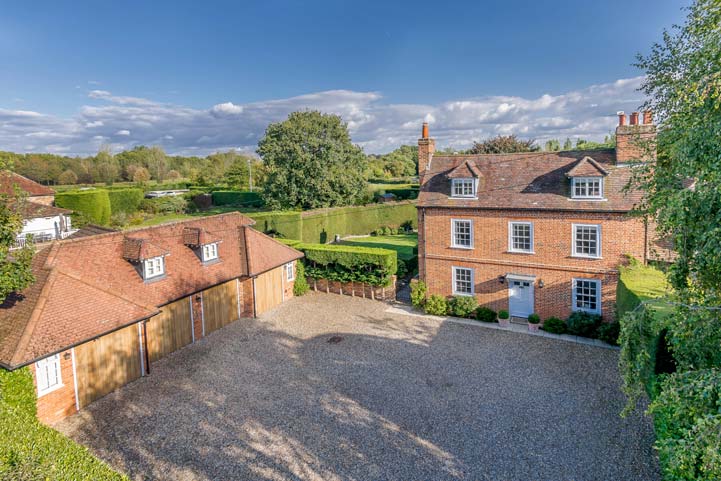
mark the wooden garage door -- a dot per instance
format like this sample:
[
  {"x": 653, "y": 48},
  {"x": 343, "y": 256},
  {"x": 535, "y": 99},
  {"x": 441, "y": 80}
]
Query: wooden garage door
[
  {"x": 107, "y": 363},
  {"x": 220, "y": 305},
  {"x": 170, "y": 330},
  {"x": 268, "y": 290}
]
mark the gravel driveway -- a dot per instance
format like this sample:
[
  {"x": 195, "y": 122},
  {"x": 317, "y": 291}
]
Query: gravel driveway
[{"x": 398, "y": 397}]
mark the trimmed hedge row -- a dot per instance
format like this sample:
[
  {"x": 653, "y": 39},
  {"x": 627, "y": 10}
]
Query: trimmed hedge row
[
  {"x": 234, "y": 197},
  {"x": 405, "y": 193},
  {"x": 125, "y": 200},
  {"x": 322, "y": 225},
  {"x": 346, "y": 263},
  {"x": 31, "y": 450},
  {"x": 92, "y": 204}
]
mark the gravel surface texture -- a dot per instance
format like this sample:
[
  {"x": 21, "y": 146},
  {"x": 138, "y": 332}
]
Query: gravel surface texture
[{"x": 398, "y": 397}]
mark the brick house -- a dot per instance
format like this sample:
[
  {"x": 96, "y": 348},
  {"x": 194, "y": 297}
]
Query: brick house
[
  {"x": 41, "y": 218},
  {"x": 541, "y": 232},
  {"x": 105, "y": 307}
]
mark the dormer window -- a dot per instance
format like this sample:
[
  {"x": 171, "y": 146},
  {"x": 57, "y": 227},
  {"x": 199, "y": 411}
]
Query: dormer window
[
  {"x": 463, "y": 187},
  {"x": 210, "y": 252},
  {"x": 153, "y": 267},
  {"x": 587, "y": 187}
]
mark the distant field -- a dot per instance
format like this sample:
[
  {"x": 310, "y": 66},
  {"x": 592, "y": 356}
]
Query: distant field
[{"x": 403, "y": 244}]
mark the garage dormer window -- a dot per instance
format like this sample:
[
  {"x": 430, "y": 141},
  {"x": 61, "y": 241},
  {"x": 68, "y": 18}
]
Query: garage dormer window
[
  {"x": 463, "y": 187},
  {"x": 587, "y": 187},
  {"x": 153, "y": 267},
  {"x": 210, "y": 252}
]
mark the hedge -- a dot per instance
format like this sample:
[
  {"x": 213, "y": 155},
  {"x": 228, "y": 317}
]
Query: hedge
[
  {"x": 404, "y": 194},
  {"x": 235, "y": 197},
  {"x": 125, "y": 200},
  {"x": 93, "y": 204},
  {"x": 31, "y": 450},
  {"x": 345, "y": 263},
  {"x": 288, "y": 224}
]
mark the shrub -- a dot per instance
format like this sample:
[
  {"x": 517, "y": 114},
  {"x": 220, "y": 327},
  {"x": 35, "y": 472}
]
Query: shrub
[
  {"x": 236, "y": 197},
  {"x": 402, "y": 269},
  {"x": 300, "y": 286},
  {"x": 419, "y": 291},
  {"x": 554, "y": 325},
  {"x": 503, "y": 314},
  {"x": 608, "y": 332},
  {"x": 126, "y": 201},
  {"x": 485, "y": 314},
  {"x": 583, "y": 323},
  {"x": 92, "y": 204},
  {"x": 534, "y": 319},
  {"x": 436, "y": 305},
  {"x": 346, "y": 263},
  {"x": 165, "y": 205},
  {"x": 687, "y": 418},
  {"x": 462, "y": 306}
]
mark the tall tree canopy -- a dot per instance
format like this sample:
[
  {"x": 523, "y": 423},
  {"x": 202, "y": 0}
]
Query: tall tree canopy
[
  {"x": 401, "y": 162},
  {"x": 310, "y": 162},
  {"x": 503, "y": 144}
]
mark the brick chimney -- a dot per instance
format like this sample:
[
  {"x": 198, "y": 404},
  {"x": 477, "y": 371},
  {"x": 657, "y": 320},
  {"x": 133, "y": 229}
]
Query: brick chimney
[
  {"x": 426, "y": 148},
  {"x": 635, "y": 142}
]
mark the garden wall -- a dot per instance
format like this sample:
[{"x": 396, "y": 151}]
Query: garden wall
[{"x": 355, "y": 289}]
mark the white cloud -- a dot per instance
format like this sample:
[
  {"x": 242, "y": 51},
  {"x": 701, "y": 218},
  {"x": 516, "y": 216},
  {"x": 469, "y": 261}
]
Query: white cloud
[{"x": 376, "y": 125}]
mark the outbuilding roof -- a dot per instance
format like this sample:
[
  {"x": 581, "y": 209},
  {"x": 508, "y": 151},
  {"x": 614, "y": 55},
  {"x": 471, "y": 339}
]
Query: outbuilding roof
[
  {"x": 86, "y": 287},
  {"x": 10, "y": 181}
]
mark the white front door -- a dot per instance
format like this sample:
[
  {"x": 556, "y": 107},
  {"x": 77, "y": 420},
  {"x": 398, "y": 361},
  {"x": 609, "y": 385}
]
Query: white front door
[{"x": 520, "y": 297}]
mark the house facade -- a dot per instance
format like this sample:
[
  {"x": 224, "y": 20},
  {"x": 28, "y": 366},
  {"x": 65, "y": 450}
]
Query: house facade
[
  {"x": 42, "y": 221},
  {"x": 104, "y": 308},
  {"x": 536, "y": 232}
]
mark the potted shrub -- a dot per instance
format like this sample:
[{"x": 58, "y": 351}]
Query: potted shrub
[
  {"x": 504, "y": 319},
  {"x": 533, "y": 322}
]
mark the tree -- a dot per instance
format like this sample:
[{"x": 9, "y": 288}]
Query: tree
[
  {"x": 173, "y": 175},
  {"x": 310, "y": 162},
  {"x": 15, "y": 266},
  {"x": 237, "y": 175},
  {"x": 106, "y": 166},
  {"x": 567, "y": 145},
  {"x": 552, "y": 145},
  {"x": 141, "y": 175},
  {"x": 401, "y": 162},
  {"x": 68, "y": 177},
  {"x": 156, "y": 163},
  {"x": 503, "y": 144}
]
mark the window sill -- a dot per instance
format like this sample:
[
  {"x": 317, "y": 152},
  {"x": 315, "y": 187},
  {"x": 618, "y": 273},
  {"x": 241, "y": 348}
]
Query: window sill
[
  {"x": 462, "y": 248},
  {"x": 463, "y": 294},
  {"x": 49, "y": 390},
  {"x": 593, "y": 199},
  {"x": 528, "y": 253},
  {"x": 458, "y": 197},
  {"x": 576, "y": 256}
]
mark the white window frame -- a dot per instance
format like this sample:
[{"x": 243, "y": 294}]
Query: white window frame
[
  {"x": 460, "y": 183},
  {"x": 574, "y": 284},
  {"x": 513, "y": 223},
  {"x": 454, "y": 244},
  {"x": 289, "y": 272},
  {"x": 43, "y": 369},
  {"x": 455, "y": 269},
  {"x": 574, "y": 228},
  {"x": 210, "y": 251},
  {"x": 586, "y": 181},
  {"x": 153, "y": 267}
]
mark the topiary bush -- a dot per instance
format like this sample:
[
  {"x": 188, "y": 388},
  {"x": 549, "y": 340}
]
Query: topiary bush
[
  {"x": 534, "y": 319},
  {"x": 126, "y": 201},
  {"x": 436, "y": 305},
  {"x": 485, "y": 314},
  {"x": 583, "y": 323},
  {"x": 554, "y": 325},
  {"x": 300, "y": 286},
  {"x": 608, "y": 332},
  {"x": 92, "y": 205},
  {"x": 419, "y": 291},
  {"x": 462, "y": 306},
  {"x": 503, "y": 314}
]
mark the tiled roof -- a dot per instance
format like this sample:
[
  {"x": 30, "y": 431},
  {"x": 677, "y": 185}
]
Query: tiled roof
[
  {"x": 532, "y": 180},
  {"x": 587, "y": 167},
  {"x": 34, "y": 210},
  {"x": 464, "y": 170},
  {"x": 197, "y": 236},
  {"x": 137, "y": 249},
  {"x": 9, "y": 180},
  {"x": 90, "y": 230},
  {"x": 86, "y": 288}
]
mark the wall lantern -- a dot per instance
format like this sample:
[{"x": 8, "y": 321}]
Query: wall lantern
[
  {"x": 541, "y": 284},
  {"x": 66, "y": 356},
  {"x": 501, "y": 279}
]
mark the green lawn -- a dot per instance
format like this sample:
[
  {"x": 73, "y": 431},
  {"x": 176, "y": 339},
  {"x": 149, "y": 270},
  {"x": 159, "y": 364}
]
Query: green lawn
[
  {"x": 403, "y": 244},
  {"x": 640, "y": 283},
  {"x": 160, "y": 219}
]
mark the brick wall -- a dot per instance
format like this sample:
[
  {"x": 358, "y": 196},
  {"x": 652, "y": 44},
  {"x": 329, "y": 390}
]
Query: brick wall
[
  {"x": 196, "y": 307},
  {"x": 246, "y": 298},
  {"x": 59, "y": 403},
  {"x": 552, "y": 261},
  {"x": 355, "y": 289}
]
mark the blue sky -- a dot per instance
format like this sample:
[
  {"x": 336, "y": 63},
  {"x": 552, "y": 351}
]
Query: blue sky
[{"x": 199, "y": 76}]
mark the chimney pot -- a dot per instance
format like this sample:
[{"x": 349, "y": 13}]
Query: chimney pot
[
  {"x": 634, "y": 118},
  {"x": 424, "y": 132},
  {"x": 621, "y": 117},
  {"x": 647, "y": 117}
]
